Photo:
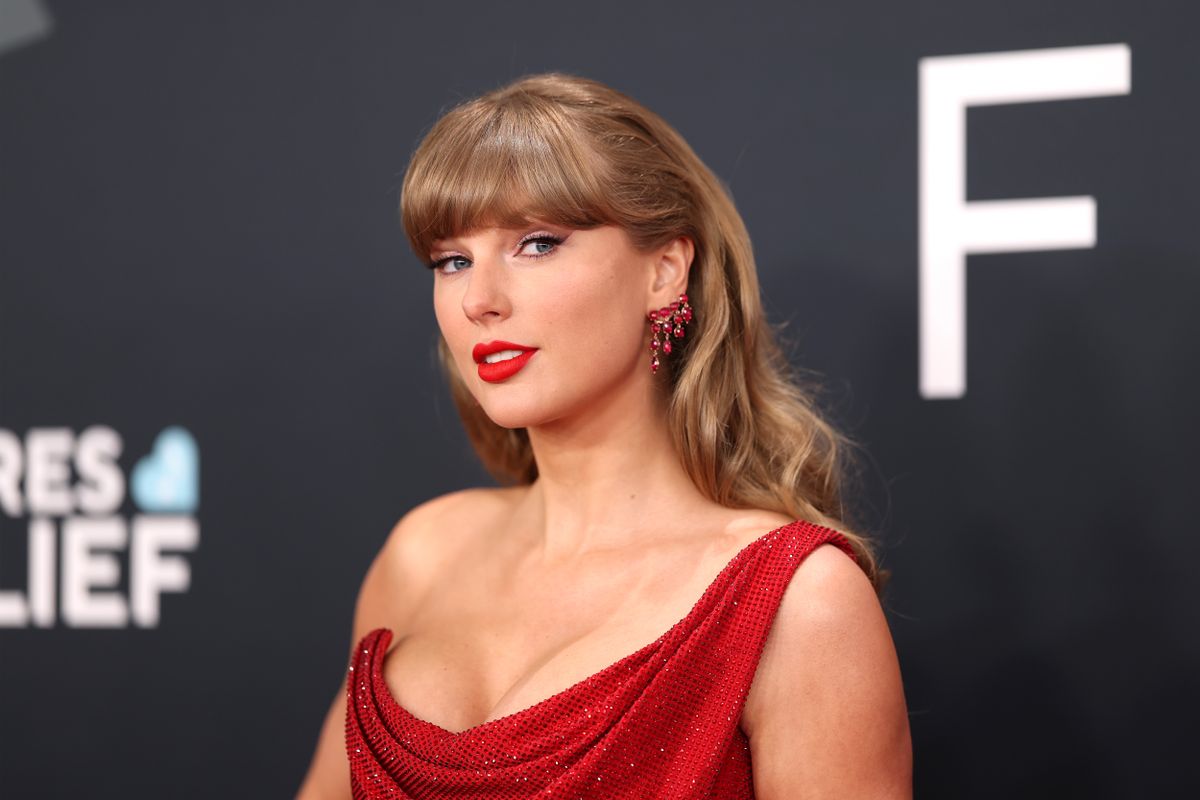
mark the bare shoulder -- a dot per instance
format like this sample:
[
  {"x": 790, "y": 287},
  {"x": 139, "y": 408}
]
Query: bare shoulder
[
  {"x": 405, "y": 567},
  {"x": 828, "y": 613},
  {"x": 440, "y": 526},
  {"x": 740, "y": 527},
  {"x": 419, "y": 546},
  {"x": 826, "y": 714},
  {"x": 752, "y": 523},
  {"x": 829, "y": 591}
]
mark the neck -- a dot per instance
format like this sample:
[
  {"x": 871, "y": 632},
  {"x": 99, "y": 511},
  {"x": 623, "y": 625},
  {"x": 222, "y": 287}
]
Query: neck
[{"x": 607, "y": 475}]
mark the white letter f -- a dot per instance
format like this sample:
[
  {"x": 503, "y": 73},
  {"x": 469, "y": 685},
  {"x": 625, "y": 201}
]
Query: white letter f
[{"x": 950, "y": 227}]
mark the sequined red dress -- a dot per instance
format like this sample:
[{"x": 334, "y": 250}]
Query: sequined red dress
[{"x": 662, "y": 722}]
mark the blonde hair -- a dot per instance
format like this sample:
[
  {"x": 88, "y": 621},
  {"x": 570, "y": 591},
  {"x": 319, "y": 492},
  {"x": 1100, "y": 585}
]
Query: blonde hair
[{"x": 574, "y": 151}]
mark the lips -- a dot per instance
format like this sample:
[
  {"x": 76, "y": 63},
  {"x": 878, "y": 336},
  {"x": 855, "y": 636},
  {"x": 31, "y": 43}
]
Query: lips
[{"x": 507, "y": 359}]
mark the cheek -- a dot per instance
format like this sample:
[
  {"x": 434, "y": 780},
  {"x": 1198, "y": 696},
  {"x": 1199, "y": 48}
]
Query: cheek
[
  {"x": 442, "y": 313},
  {"x": 599, "y": 325},
  {"x": 455, "y": 329}
]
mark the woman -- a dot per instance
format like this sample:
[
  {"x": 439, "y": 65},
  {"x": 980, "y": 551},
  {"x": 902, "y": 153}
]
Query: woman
[{"x": 665, "y": 602}]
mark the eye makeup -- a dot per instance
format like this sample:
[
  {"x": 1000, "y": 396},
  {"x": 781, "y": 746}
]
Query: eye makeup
[{"x": 542, "y": 236}]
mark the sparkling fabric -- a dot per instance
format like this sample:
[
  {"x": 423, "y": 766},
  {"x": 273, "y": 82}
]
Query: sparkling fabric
[{"x": 663, "y": 722}]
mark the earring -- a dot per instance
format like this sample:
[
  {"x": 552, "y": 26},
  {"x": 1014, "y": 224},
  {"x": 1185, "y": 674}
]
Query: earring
[{"x": 667, "y": 322}]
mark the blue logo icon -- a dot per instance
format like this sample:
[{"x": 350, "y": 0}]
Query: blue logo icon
[{"x": 168, "y": 479}]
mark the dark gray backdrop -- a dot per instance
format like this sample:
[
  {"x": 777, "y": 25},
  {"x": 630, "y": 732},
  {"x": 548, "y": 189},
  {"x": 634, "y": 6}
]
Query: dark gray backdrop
[{"x": 197, "y": 205}]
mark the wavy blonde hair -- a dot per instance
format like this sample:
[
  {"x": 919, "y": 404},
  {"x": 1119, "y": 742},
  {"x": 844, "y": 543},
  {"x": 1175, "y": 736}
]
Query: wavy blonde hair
[{"x": 577, "y": 152}]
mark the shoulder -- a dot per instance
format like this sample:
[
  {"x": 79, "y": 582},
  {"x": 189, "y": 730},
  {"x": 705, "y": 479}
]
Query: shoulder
[
  {"x": 419, "y": 546},
  {"x": 827, "y": 612},
  {"x": 438, "y": 526},
  {"x": 738, "y": 528},
  {"x": 828, "y": 687},
  {"x": 829, "y": 592},
  {"x": 461, "y": 506}
]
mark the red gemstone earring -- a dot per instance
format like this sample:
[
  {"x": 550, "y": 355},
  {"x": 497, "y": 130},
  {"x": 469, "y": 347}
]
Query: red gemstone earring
[{"x": 667, "y": 322}]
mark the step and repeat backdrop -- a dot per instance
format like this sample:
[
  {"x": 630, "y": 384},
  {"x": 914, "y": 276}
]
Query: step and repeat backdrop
[{"x": 977, "y": 221}]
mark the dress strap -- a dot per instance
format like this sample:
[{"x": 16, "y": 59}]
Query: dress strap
[{"x": 721, "y": 646}]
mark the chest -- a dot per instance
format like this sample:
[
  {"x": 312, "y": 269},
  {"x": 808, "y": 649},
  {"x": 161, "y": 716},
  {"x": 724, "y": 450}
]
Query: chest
[{"x": 490, "y": 643}]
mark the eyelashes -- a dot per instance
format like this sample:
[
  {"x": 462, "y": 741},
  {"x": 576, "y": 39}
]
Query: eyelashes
[
  {"x": 542, "y": 237},
  {"x": 438, "y": 264}
]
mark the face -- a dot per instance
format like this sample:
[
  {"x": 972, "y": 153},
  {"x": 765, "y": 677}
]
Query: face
[{"x": 545, "y": 322}]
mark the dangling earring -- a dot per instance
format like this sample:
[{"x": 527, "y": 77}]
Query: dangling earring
[{"x": 667, "y": 322}]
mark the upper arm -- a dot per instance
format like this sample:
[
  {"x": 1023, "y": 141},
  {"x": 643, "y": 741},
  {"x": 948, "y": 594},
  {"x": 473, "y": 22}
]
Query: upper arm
[
  {"x": 386, "y": 589},
  {"x": 826, "y": 715}
]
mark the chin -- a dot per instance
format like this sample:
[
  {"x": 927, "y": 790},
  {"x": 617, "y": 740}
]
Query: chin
[
  {"x": 513, "y": 415},
  {"x": 535, "y": 405},
  {"x": 512, "y": 407},
  {"x": 537, "y": 400}
]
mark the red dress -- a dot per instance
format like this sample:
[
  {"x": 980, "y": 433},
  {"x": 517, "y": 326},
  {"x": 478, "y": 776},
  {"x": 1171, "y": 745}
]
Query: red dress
[{"x": 662, "y": 722}]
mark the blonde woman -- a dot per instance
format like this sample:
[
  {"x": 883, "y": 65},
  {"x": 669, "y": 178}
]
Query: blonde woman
[{"x": 665, "y": 600}]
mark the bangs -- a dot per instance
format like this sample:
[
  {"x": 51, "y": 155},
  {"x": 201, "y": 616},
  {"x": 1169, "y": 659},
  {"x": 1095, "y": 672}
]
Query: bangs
[{"x": 503, "y": 163}]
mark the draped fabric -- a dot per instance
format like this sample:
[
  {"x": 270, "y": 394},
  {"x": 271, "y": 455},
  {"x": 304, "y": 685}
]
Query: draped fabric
[{"x": 662, "y": 722}]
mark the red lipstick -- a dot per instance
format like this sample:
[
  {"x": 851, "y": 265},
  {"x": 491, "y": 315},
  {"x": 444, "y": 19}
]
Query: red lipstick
[{"x": 501, "y": 370}]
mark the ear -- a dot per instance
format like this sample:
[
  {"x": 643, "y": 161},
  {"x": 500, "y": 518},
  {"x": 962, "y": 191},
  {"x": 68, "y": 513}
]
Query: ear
[{"x": 672, "y": 263}]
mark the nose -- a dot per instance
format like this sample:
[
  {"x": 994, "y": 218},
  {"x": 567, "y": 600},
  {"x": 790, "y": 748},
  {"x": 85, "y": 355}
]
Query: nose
[{"x": 486, "y": 297}]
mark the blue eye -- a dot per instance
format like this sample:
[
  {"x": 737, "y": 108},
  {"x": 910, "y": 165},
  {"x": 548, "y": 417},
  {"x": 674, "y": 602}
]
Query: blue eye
[
  {"x": 544, "y": 244},
  {"x": 450, "y": 264}
]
